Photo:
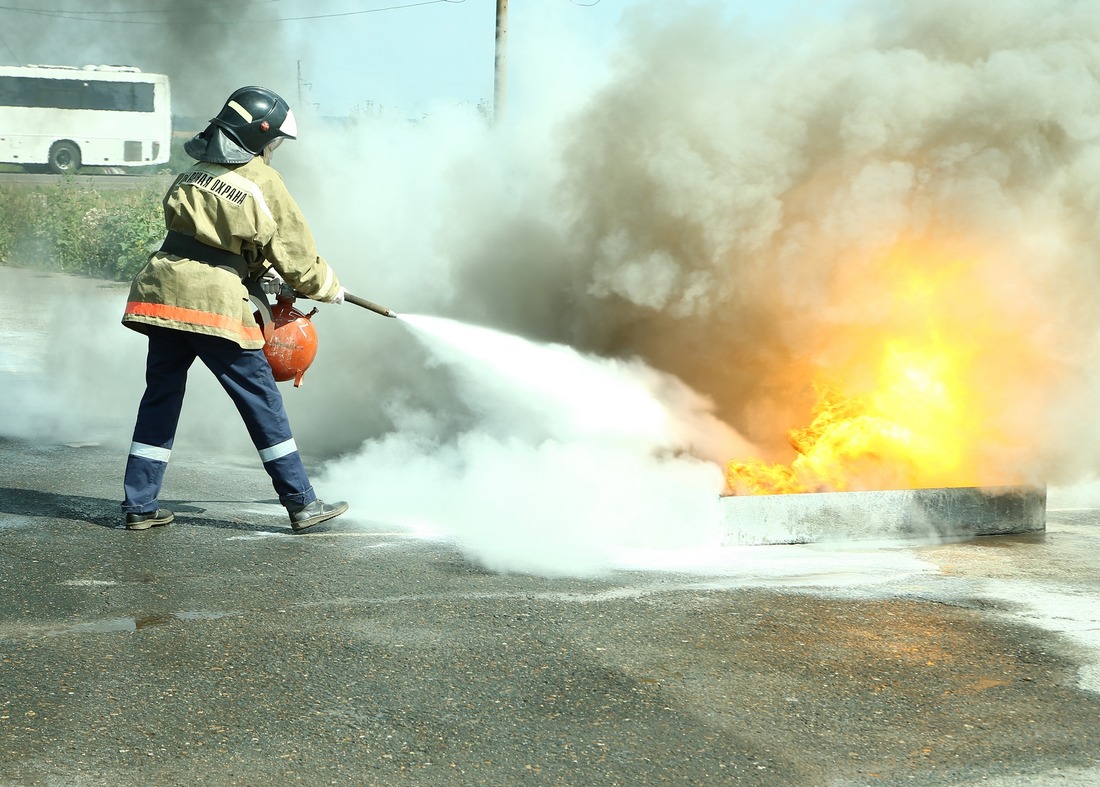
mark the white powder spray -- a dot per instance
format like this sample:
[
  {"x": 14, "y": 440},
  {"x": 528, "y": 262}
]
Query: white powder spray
[{"x": 573, "y": 459}]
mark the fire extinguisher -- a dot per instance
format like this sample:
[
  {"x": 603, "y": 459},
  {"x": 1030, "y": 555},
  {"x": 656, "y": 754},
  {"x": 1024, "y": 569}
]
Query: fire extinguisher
[
  {"x": 292, "y": 344},
  {"x": 291, "y": 338}
]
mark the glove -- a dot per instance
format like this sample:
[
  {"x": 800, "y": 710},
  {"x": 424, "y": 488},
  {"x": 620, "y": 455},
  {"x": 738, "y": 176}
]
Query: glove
[
  {"x": 271, "y": 282},
  {"x": 339, "y": 296}
]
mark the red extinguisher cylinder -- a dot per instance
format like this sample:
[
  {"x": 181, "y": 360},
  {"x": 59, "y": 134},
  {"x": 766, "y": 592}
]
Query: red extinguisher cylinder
[{"x": 292, "y": 344}]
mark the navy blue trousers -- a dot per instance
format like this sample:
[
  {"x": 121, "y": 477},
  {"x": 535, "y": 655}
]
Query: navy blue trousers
[{"x": 246, "y": 377}]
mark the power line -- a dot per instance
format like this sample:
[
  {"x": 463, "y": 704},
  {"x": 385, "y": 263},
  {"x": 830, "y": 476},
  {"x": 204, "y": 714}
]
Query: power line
[{"x": 87, "y": 16}]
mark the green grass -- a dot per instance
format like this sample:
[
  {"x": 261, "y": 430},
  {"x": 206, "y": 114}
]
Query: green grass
[
  {"x": 68, "y": 225},
  {"x": 73, "y": 228}
]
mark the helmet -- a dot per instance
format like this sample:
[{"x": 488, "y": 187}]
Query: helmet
[
  {"x": 255, "y": 117},
  {"x": 292, "y": 344}
]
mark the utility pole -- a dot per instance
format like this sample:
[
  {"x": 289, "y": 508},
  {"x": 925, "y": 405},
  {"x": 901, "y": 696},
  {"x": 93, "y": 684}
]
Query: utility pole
[{"x": 501, "y": 75}]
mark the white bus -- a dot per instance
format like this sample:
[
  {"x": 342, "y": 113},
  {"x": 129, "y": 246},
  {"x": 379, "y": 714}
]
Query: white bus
[{"x": 63, "y": 117}]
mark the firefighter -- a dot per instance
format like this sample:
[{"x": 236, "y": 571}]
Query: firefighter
[{"x": 230, "y": 221}]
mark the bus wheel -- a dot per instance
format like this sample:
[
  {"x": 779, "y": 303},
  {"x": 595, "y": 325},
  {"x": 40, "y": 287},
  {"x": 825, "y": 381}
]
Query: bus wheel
[{"x": 64, "y": 157}]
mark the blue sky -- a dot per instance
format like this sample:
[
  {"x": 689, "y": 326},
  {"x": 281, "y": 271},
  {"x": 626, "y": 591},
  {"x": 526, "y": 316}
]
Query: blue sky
[
  {"x": 410, "y": 57},
  {"x": 339, "y": 55}
]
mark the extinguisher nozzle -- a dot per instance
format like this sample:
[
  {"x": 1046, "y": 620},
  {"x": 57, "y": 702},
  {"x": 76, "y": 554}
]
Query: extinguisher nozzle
[{"x": 374, "y": 307}]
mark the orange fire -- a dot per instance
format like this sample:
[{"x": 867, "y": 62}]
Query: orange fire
[{"x": 912, "y": 400}]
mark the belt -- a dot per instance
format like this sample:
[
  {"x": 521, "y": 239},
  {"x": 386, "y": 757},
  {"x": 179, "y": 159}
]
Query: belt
[{"x": 183, "y": 245}]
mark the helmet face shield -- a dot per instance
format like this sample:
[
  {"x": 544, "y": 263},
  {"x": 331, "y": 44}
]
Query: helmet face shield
[{"x": 289, "y": 127}]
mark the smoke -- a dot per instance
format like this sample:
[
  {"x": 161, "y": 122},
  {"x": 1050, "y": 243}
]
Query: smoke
[
  {"x": 718, "y": 206},
  {"x": 206, "y": 47},
  {"x": 742, "y": 195}
]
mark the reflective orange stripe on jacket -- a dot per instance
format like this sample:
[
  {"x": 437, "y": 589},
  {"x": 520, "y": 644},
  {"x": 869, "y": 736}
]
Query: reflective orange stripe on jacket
[{"x": 194, "y": 317}]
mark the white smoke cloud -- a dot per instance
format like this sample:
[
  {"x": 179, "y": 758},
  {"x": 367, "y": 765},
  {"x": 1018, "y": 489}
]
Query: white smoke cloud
[{"x": 572, "y": 459}]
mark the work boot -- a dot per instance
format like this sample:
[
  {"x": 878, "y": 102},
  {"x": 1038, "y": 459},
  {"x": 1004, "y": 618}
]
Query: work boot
[
  {"x": 162, "y": 516},
  {"x": 315, "y": 513}
]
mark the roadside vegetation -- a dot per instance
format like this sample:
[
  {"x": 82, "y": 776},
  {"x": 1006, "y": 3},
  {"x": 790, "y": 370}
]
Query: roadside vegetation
[
  {"x": 69, "y": 226},
  {"x": 72, "y": 228}
]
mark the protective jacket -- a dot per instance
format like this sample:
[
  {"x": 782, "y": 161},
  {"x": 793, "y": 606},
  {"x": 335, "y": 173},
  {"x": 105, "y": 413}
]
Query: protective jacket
[{"x": 246, "y": 214}]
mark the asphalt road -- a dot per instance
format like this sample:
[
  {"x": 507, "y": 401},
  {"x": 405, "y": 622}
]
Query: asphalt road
[
  {"x": 91, "y": 177},
  {"x": 223, "y": 650}
]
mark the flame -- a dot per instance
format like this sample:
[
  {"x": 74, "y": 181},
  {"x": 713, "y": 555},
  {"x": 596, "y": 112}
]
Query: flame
[{"x": 910, "y": 402}]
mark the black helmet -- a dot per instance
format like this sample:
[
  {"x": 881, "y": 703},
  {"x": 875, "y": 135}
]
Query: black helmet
[{"x": 255, "y": 117}]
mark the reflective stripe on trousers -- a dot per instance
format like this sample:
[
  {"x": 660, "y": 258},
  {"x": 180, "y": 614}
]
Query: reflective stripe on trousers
[{"x": 246, "y": 377}]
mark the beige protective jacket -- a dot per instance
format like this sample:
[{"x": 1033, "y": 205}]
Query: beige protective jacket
[{"x": 245, "y": 209}]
